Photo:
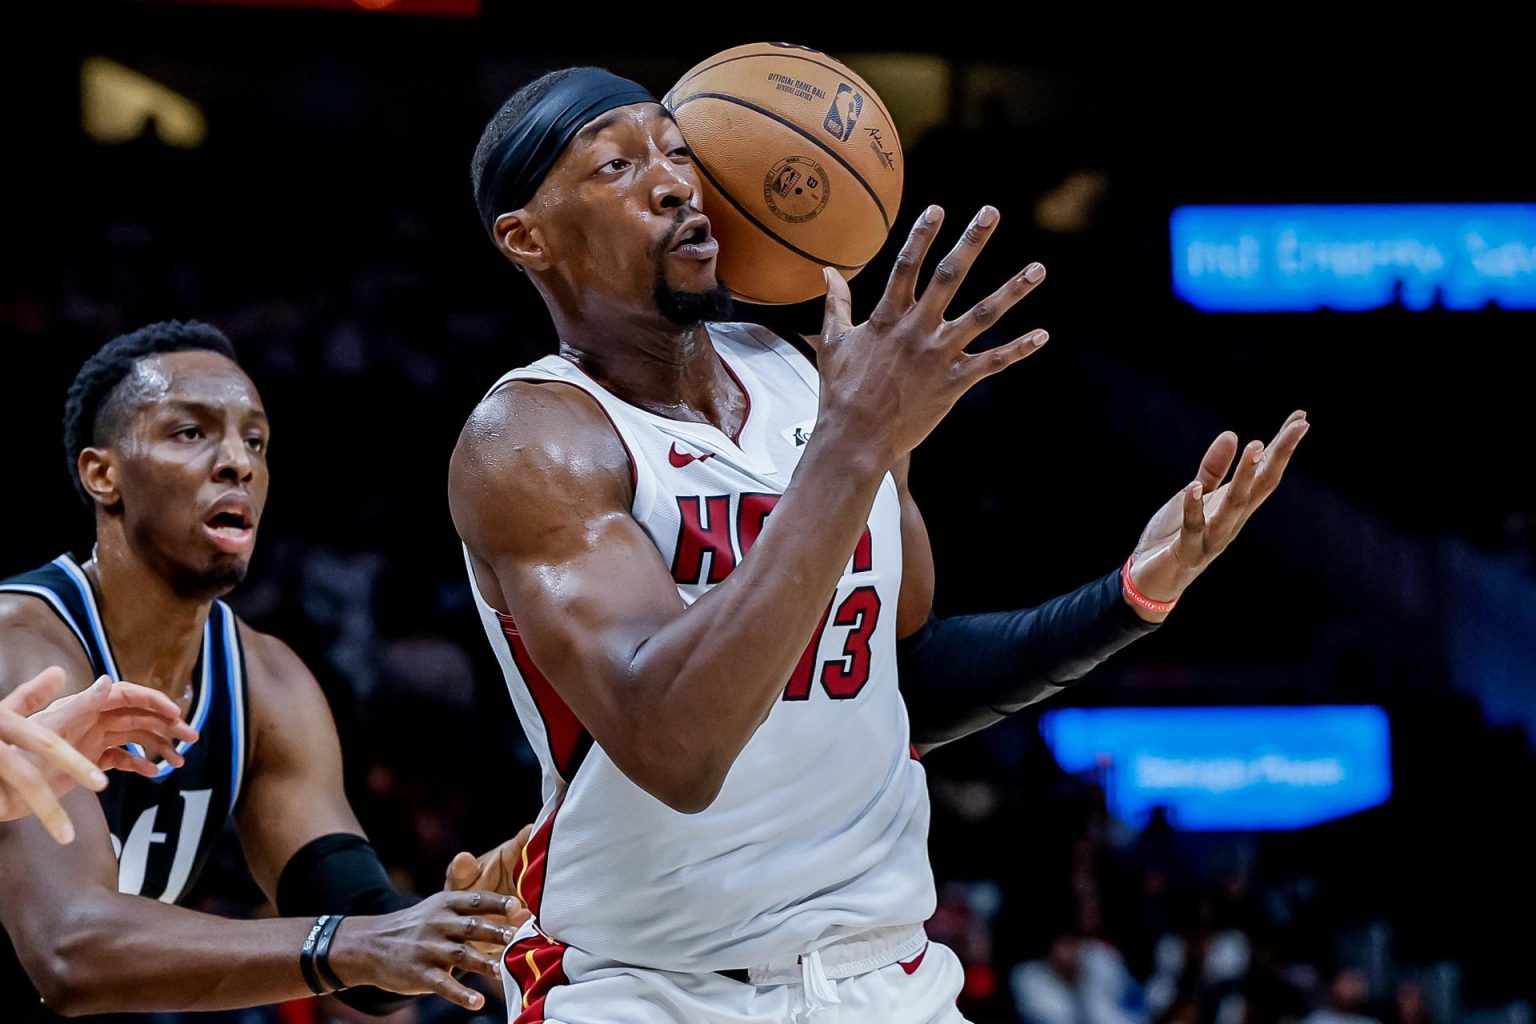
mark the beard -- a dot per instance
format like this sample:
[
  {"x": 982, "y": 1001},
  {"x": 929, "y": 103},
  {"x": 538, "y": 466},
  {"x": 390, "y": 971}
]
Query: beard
[
  {"x": 689, "y": 309},
  {"x": 208, "y": 582}
]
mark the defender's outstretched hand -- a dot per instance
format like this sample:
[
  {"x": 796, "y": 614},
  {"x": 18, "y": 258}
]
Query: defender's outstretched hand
[
  {"x": 47, "y": 746},
  {"x": 1198, "y": 523},
  {"x": 495, "y": 871},
  {"x": 892, "y": 378},
  {"x": 415, "y": 951}
]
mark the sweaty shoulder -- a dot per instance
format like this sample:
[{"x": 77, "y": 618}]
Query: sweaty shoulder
[
  {"x": 533, "y": 450},
  {"x": 33, "y": 637}
]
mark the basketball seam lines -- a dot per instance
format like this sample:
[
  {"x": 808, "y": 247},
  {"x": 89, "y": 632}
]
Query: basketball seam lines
[
  {"x": 766, "y": 230},
  {"x": 884, "y": 217},
  {"x": 791, "y": 56}
]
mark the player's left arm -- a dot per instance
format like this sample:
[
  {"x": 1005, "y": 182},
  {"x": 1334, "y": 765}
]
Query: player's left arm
[
  {"x": 960, "y": 674},
  {"x": 302, "y": 841},
  {"x": 293, "y": 790}
]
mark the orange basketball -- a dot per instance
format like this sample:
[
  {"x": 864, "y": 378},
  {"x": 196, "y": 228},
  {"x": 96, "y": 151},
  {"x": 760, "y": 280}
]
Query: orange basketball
[{"x": 800, "y": 164}]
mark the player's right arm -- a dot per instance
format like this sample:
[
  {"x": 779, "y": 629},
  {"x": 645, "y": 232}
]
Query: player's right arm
[
  {"x": 540, "y": 491},
  {"x": 90, "y": 949}
]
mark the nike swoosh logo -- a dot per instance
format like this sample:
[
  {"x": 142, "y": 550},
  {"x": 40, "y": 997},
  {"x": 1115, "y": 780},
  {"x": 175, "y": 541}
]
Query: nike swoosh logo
[{"x": 681, "y": 459}]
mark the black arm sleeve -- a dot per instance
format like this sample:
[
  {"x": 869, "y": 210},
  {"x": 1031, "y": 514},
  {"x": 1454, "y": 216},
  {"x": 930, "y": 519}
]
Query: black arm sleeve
[
  {"x": 961, "y": 674},
  {"x": 342, "y": 874}
]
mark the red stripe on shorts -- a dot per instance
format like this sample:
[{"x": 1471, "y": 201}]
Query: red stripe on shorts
[{"x": 537, "y": 964}]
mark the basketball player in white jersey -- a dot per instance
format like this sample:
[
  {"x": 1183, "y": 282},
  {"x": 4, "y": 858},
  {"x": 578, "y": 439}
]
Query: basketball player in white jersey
[{"x": 655, "y": 518}]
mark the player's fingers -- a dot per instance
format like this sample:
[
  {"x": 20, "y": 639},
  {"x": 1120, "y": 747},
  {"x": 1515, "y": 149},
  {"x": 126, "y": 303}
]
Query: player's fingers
[
  {"x": 150, "y": 722},
  {"x": 116, "y": 759},
  {"x": 837, "y": 313},
  {"x": 464, "y": 957},
  {"x": 996, "y": 360},
  {"x": 28, "y": 783},
  {"x": 462, "y": 872},
  {"x": 478, "y": 929},
  {"x": 952, "y": 269},
  {"x": 1299, "y": 414},
  {"x": 480, "y": 901},
  {"x": 511, "y": 854},
  {"x": 151, "y": 745},
  {"x": 1239, "y": 491},
  {"x": 442, "y": 983},
  {"x": 901, "y": 289},
  {"x": 511, "y": 851},
  {"x": 142, "y": 698},
  {"x": 481, "y": 962},
  {"x": 36, "y": 693},
  {"x": 1278, "y": 456},
  {"x": 1190, "y": 545},
  {"x": 165, "y": 734},
  {"x": 1216, "y": 461},
  {"x": 50, "y": 749},
  {"x": 989, "y": 310}
]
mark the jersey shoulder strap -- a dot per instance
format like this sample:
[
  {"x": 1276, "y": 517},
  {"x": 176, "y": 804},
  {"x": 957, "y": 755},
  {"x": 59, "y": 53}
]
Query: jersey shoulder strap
[{"x": 64, "y": 587}]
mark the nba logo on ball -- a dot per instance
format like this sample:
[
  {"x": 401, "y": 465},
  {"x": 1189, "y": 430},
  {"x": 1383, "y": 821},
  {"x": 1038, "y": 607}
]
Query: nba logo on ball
[
  {"x": 840, "y": 129},
  {"x": 800, "y": 167}
]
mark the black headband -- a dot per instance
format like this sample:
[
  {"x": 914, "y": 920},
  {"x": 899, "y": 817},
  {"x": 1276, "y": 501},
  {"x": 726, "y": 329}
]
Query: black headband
[{"x": 524, "y": 156}]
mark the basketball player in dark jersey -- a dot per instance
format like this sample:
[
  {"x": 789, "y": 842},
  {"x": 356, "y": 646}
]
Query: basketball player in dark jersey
[
  {"x": 48, "y": 746},
  {"x": 168, "y": 438}
]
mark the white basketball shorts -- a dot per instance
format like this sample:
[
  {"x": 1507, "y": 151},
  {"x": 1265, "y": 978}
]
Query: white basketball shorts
[{"x": 889, "y": 976}]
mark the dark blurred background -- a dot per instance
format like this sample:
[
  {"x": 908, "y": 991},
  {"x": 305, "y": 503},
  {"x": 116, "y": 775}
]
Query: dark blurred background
[{"x": 300, "y": 179}]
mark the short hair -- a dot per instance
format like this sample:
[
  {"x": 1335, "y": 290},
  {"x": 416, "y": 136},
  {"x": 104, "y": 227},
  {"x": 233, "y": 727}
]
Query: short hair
[
  {"x": 92, "y": 412},
  {"x": 504, "y": 120}
]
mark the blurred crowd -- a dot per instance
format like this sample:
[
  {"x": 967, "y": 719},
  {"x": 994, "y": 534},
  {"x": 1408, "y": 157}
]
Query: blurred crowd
[{"x": 372, "y": 315}]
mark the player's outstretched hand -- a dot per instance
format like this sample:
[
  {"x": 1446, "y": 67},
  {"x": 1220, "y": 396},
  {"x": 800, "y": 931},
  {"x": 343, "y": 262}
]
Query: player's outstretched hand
[
  {"x": 891, "y": 379},
  {"x": 495, "y": 871},
  {"x": 416, "y": 951},
  {"x": 1198, "y": 523},
  {"x": 48, "y": 746},
  {"x": 101, "y": 720}
]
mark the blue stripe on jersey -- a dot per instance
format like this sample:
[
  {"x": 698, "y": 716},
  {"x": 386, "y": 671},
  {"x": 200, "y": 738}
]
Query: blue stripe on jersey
[
  {"x": 87, "y": 596},
  {"x": 98, "y": 630},
  {"x": 234, "y": 662},
  {"x": 204, "y": 700}
]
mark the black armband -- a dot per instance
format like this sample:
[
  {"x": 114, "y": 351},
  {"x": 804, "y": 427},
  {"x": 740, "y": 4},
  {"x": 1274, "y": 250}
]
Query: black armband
[
  {"x": 342, "y": 874},
  {"x": 964, "y": 673}
]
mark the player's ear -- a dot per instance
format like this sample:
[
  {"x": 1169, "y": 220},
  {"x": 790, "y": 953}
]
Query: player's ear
[
  {"x": 519, "y": 239},
  {"x": 98, "y": 473}
]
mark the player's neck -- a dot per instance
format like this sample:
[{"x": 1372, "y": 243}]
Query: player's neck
[
  {"x": 672, "y": 371},
  {"x": 156, "y": 634}
]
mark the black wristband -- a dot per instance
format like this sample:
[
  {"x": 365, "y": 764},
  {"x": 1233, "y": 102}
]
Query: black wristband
[
  {"x": 307, "y": 956},
  {"x": 323, "y": 952}
]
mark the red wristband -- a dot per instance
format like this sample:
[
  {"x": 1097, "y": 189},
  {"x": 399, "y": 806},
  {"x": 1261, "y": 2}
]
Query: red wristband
[{"x": 1137, "y": 597}]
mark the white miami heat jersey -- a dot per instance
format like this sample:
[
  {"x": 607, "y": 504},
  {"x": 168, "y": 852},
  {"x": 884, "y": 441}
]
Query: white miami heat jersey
[{"x": 820, "y": 830}]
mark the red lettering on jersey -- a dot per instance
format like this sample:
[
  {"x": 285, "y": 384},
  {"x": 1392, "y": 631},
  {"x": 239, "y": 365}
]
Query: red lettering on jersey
[
  {"x": 799, "y": 687},
  {"x": 694, "y": 540},
  {"x": 864, "y": 554},
  {"x": 844, "y": 677},
  {"x": 751, "y": 512}
]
